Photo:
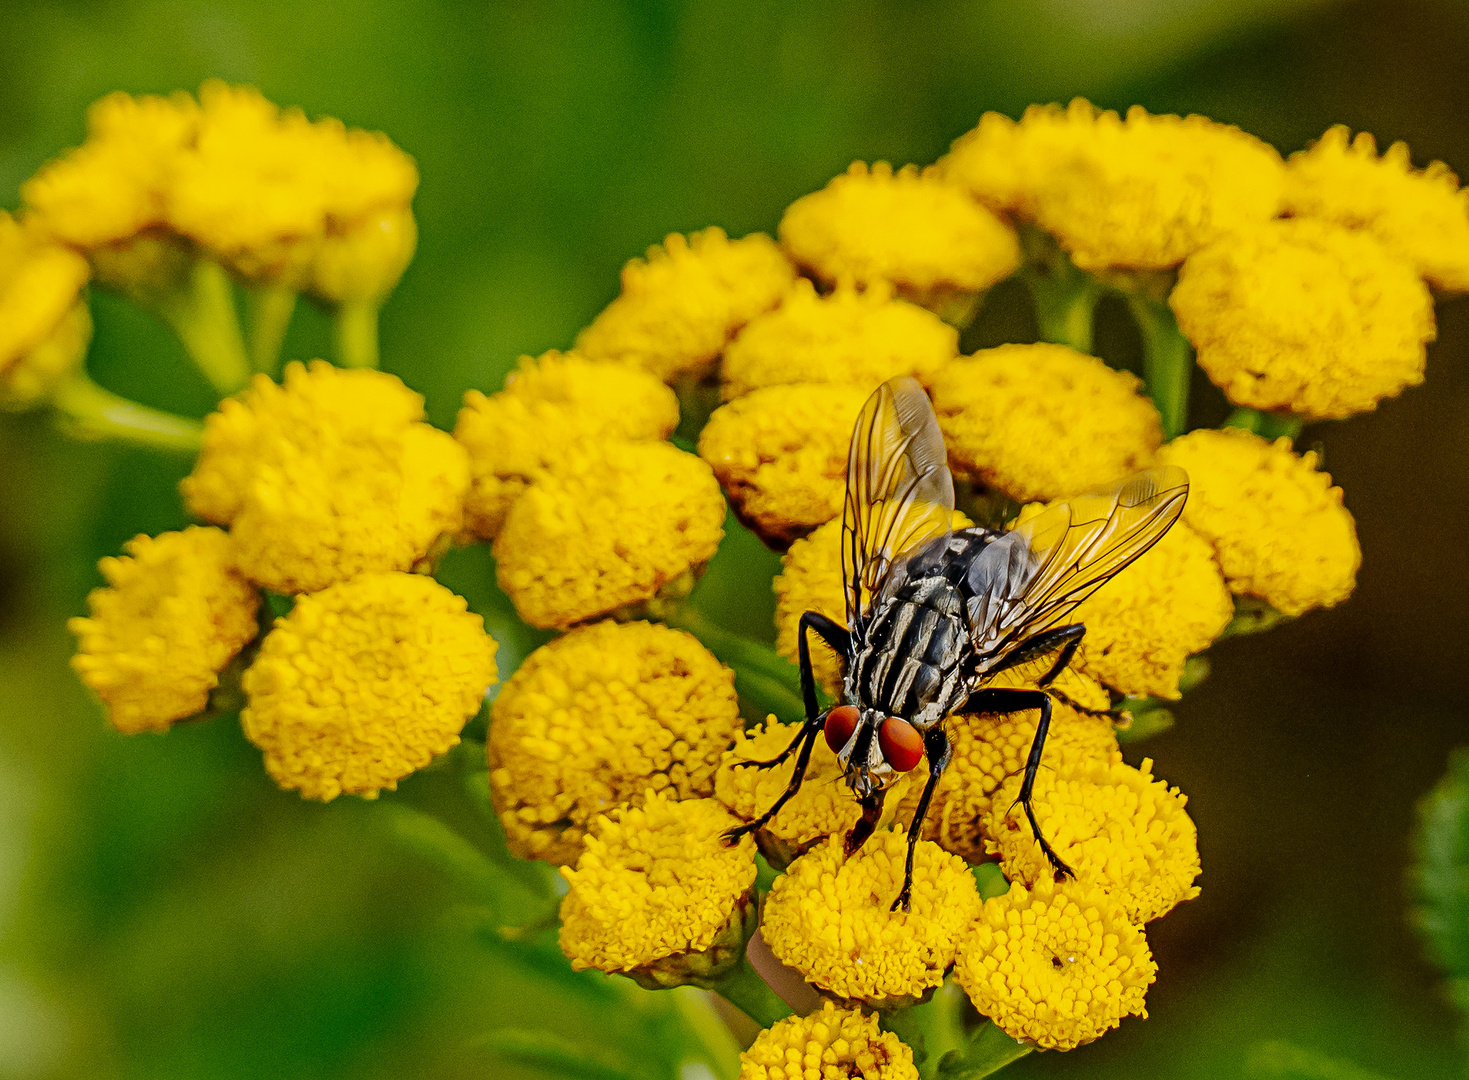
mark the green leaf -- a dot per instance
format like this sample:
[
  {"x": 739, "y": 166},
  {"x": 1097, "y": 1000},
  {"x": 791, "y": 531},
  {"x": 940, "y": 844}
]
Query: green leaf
[
  {"x": 987, "y": 1052},
  {"x": 1276, "y": 1060},
  {"x": 549, "y": 1051},
  {"x": 436, "y": 842},
  {"x": 1252, "y": 616},
  {"x": 1440, "y": 875},
  {"x": 1145, "y": 725},
  {"x": 990, "y": 879}
]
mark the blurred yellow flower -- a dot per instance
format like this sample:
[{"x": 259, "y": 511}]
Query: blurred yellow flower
[
  {"x": 1420, "y": 216},
  {"x": 680, "y": 305},
  {"x": 1306, "y": 316},
  {"x": 1039, "y": 421},
  {"x": 616, "y": 524},
  {"x": 364, "y": 683},
  {"x": 328, "y": 475},
  {"x": 854, "y": 337},
  {"x": 1114, "y": 825},
  {"x": 657, "y": 894},
  {"x": 828, "y": 917},
  {"x": 44, "y": 324},
  {"x": 173, "y": 614},
  {"x": 594, "y": 719},
  {"x": 548, "y": 404},
  {"x": 1277, "y": 526},
  {"x": 1056, "y": 965},
  {"x": 830, "y": 1044}
]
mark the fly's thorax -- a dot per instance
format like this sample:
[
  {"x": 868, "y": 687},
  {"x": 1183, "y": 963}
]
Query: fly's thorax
[{"x": 908, "y": 661}]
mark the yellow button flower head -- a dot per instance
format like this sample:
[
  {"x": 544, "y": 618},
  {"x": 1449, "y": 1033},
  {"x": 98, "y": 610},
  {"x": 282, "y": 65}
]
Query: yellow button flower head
[
  {"x": 822, "y": 807},
  {"x": 1278, "y": 527},
  {"x": 1305, "y": 315},
  {"x": 1152, "y": 616},
  {"x": 987, "y": 751},
  {"x": 681, "y": 304},
  {"x": 1056, "y": 965},
  {"x": 44, "y": 324},
  {"x": 923, "y": 235},
  {"x": 781, "y": 455},
  {"x": 657, "y": 894},
  {"x": 1041, "y": 421},
  {"x": 1002, "y": 163},
  {"x": 830, "y": 1044},
  {"x": 592, "y": 720},
  {"x": 547, "y": 405},
  {"x": 1421, "y": 216},
  {"x": 828, "y": 918},
  {"x": 116, "y": 184},
  {"x": 615, "y": 525},
  {"x": 173, "y": 614},
  {"x": 860, "y": 338},
  {"x": 1114, "y": 825},
  {"x": 365, "y": 682},
  {"x": 326, "y": 476}
]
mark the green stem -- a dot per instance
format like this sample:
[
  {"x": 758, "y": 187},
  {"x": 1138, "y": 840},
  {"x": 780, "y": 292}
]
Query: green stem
[
  {"x": 202, "y": 314},
  {"x": 86, "y": 411},
  {"x": 354, "y": 330},
  {"x": 762, "y": 675},
  {"x": 987, "y": 1052},
  {"x": 1065, "y": 305},
  {"x": 713, "y": 1040},
  {"x": 269, "y": 307},
  {"x": 933, "y": 1030},
  {"x": 1167, "y": 361},
  {"x": 1267, "y": 425},
  {"x": 747, "y": 991}
]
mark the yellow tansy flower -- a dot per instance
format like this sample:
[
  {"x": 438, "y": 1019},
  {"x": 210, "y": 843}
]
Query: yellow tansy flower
[
  {"x": 822, "y": 807},
  {"x": 1278, "y": 527},
  {"x": 616, "y": 524},
  {"x": 828, "y": 917},
  {"x": 44, "y": 324},
  {"x": 658, "y": 896},
  {"x": 857, "y": 337},
  {"x": 1305, "y": 315},
  {"x": 593, "y": 719},
  {"x": 365, "y": 682},
  {"x": 326, "y": 476},
  {"x": 1153, "y": 615},
  {"x": 918, "y": 232},
  {"x": 987, "y": 751},
  {"x": 781, "y": 455},
  {"x": 1002, "y": 163},
  {"x": 173, "y": 614},
  {"x": 547, "y": 405},
  {"x": 1040, "y": 421},
  {"x": 1056, "y": 965},
  {"x": 680, "y": 305},
  {"x": 1421, "y": 216},
  {"x": 830, "y": 1044},
  {"x": 1114, "y": 825}
]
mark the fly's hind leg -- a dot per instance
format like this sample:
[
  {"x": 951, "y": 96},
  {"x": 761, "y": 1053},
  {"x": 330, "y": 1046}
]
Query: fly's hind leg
[{"x": 937, "y": 749}]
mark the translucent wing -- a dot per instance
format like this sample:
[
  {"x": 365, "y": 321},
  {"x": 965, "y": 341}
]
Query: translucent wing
[
  {"x": 1033, "y": 578},
  {"x": 899, "y": 492}
]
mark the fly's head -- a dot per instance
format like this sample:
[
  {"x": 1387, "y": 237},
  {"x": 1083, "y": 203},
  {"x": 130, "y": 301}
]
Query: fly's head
[{"x": 873, "y": 749}]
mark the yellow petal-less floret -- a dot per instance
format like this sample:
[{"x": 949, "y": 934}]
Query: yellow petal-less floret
[
  {"x": 549, "y": 404},
  {"x": 828, "y": 917},
  {"x": 1277, "y": 526},
  {"x": 596, "y": 718},
  {"x": 44, "y": 324},
  {"x": 1421, "y": 216},
  {"x": 616, "y": 524},
  {"x": 1114, "y": 825},
  {"x": 328, "y": 475},
  {"x": 1056, "y": 965},
  {"x": 1306, "y": 316},
  {"x": 657, "y": 894},
  {"x": 1040, "y": 421},
  {"x": 1002, "y": 163},
  {"x": 923, "y": 235},
  {"x": 173, "y": 614},
  {"x": 781, "y": 455},
  {"x": 855, "y": 337},
  {"x": 681, "y": 305},
  {"x": 364, "y": 683},
  {"x": 830, "y": 1044}
]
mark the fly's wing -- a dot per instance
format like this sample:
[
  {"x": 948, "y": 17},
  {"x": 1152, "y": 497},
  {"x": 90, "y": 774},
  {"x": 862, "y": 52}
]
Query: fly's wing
[
  {"x": 1033, "y": 577},
  {"x": 899, "y": 492}
]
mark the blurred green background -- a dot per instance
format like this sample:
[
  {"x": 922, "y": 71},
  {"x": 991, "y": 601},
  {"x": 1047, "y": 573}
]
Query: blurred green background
[{"x": 165, "y": 912}]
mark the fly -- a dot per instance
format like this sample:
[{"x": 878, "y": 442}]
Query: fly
[{"x": 933, "y": 615}]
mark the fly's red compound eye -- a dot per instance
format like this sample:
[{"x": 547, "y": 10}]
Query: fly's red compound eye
[
  {"x": 840, "y": 723},
  {"x": 901, "y": 743}
]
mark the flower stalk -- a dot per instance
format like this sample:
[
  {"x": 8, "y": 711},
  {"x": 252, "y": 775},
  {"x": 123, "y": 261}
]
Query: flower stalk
[
  {"x": 354, "y": 333},
  {"x": 269, "y": 307},
  {"x": 747, "y": 991},
  {"x": 202, "y": 313},
  {"x": 1167, "y": 361},
  {"x": 87, "y": 411}
]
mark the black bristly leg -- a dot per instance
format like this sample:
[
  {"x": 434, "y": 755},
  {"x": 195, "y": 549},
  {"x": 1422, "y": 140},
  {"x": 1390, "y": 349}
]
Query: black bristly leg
[
  {"x": 871, "y": 812},
  {"x": 1065, "y": 638},
  {"x": 937, "y": 749},
  {"x": 808, "y": 733},
  {"x": 1012, "y": 701}
]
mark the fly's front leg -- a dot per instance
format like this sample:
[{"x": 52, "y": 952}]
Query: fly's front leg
[{"x": 937, "y": 749}]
